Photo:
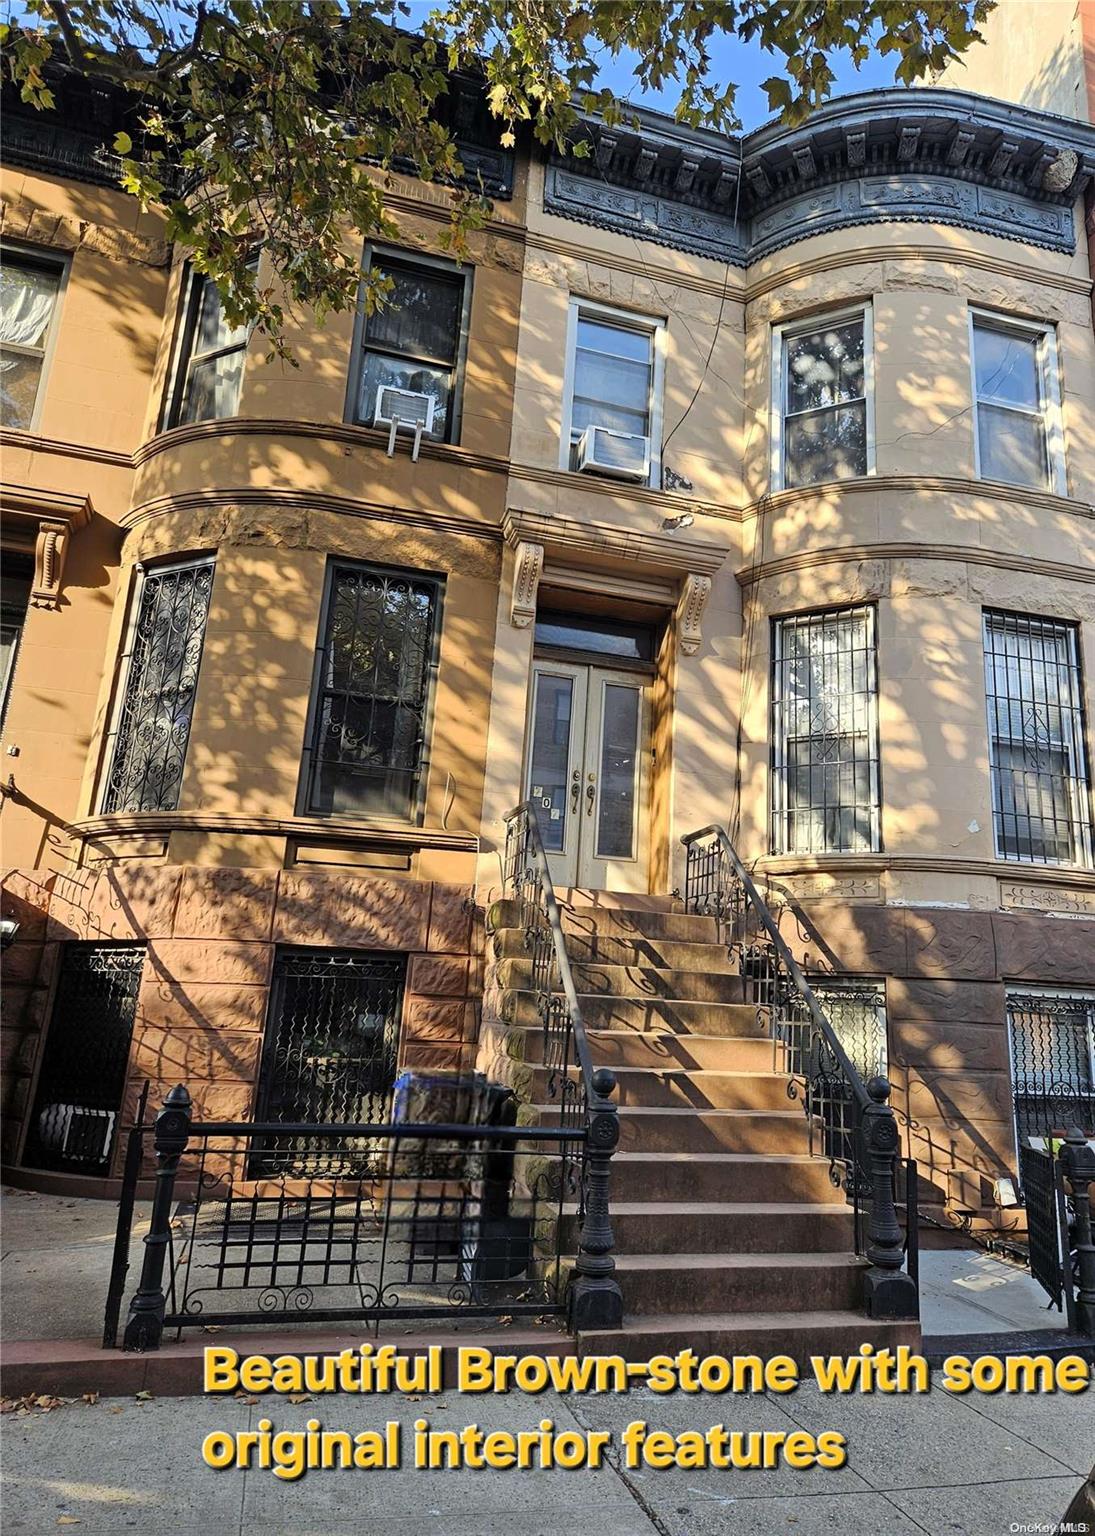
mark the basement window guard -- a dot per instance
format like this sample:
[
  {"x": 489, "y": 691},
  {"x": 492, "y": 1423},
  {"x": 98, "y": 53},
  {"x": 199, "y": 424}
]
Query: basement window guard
[
  {"x": 614, "y": 372},
  {"x": 856, "y": 1009},
  {"x": 29, "y": 290},
  {"x": 415, "y": 341},
  {"x": 365, "y": 752},
  {"x": 1052, "y": 1038},
  {"x": 209, "y": 370},
  {"x": 826, "y": 795},
  {"x": 1041, "y": 793},
  {"x": 160, "y": 669},
  {"x": 1017, "y": 430},
  {"x": 78, "y": 1100},
  {"x": 823, "y": 400}
]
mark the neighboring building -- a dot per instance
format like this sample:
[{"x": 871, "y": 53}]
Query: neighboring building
[{"x": 825, "y": 575}]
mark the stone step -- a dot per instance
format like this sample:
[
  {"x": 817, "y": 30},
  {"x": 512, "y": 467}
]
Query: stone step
[
  {"x": 799, "y": 1335},
  {"x": 739, "y": 1176},
  {"x": 707, "y": 1226},
  {"x": 739, "y": 1282},
  {"x": 638, "y": 950},
  {"x": 618, "y": 922},
  {"x": 626, "y": 901},
  {"x": 643, "y": 1015},
  {"x": 782, "y": 1131},
  {"x": 619, "y": 1048},
  {"x": 651, "y": 1087},
  {"x": 634, "y": 981}
]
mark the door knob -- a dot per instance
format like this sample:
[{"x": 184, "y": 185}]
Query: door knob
[
  {"x": 591, "y": 794},
  {"x": 575, "y": 789}
]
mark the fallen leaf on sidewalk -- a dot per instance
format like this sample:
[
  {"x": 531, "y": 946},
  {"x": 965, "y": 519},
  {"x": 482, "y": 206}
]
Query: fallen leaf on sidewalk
[
  {"x": 244, "y": 1397},
  {"x": 67, "y": 1520},
  {"x": 91, "y": 1397},
  {"x": 144, "y": 1396},
  {"x": 299, "y": 1397}
]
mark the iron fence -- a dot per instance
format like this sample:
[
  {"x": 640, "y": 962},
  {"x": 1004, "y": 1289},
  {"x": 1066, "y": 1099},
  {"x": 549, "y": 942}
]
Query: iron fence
[
  {"x": 850, "y": 1120},
  {"x": 359, "y": 1222}
]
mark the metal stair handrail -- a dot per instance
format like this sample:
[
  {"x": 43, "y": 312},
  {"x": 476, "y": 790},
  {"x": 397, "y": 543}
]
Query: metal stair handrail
[
  {"x": 857, "y": 1125},
  {"x": 594, "y": 1299}
]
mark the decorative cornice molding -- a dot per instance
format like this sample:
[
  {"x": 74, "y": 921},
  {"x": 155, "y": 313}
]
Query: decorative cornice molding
[
  {"x": 877, "y": 863},
  {"x": 952, "y": 485},
  {"x": 938, "y": 156},
  {"x": 961, "y": 554},
  {"x": 528, "y": 567},
  {"x": 317, "y": 501},
  {"x": 311, "y": 829},
  {"x": 32, "y": 443},
  {"x": 618, "y": 491},
  {"x": 695, "y": 590},
  {"x": 332, "y": 431},
  {"x": 49, "y": 518},
  {"x": 571, "y": 540}
]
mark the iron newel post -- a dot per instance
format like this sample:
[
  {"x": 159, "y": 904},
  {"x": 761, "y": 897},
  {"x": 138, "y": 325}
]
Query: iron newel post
[
  {"x": 144, "y": 1326},
  {"x": 889, "y": 1290},
  {"x": 596, "y": 1302},
  {"x": 1078, "y": 1161}
]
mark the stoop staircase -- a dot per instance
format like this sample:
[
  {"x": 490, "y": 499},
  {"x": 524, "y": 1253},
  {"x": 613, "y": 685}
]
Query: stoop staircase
[{"x": 730, "y": 1237}]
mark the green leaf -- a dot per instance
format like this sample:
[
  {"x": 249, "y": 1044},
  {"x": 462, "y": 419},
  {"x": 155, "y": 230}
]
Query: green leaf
[{"x": 123, "y": 144}]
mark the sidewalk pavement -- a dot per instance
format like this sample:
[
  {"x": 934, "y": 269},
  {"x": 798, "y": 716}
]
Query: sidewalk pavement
[{"x": 938, "y": 1464}]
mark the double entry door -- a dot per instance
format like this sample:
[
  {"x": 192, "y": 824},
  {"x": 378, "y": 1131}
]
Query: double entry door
[{"x": 586, "y": 769}]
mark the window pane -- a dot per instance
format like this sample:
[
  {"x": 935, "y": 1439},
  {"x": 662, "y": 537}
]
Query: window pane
[
  {"x": 378, "y": 370},
  {"x": 550, "y": 756},
  {"x": 1006, "y": 366},
  {"x": 824, "y": 690},
  {"x": 154, "y": 720},
  {"x": 826, "y": 445},
  {"x": 1052, "y": 1050},
  {"x": 19, "y": 376},
  {"x": 212, "y": 391},
  {"x": 1041, "y": 796},
  {"x": 619, "y": 772},
  {"x": 824, "y": 367},
  {"x": 421, "y": 316},
  {"x": 27, "y": 295},
  {"x": 592, "y": 413},
  {"x": 615, "y": 340},
  {"x": 612, "y": 379},
  {"x": 369, "y": 734},
  {"x": 605, "y": 636},
  {"x": 1012, "y": 446},
  {"x": 210, "y": 329}
]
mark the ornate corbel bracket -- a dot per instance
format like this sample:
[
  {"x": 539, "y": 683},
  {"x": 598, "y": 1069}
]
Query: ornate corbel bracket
[
  {"x": 50, "y": 549},
  {"x": 695, "y": 590},
  {"x": 528, "y": 566}
]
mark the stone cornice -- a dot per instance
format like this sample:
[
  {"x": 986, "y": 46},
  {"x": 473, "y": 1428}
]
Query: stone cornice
[
  {"x": 954, "y": 553},
  {"x": 952, "y": 485},
  {"x": 303, "y": 828},
  {"x": 878, "y": 863},
  {"x": 332, "y": 431},
  {"x": 935, "y": 156},
  {"x": 47, "y": 520},
  {"x": 575, "y": 540},
  {"x": 222, "y": 497},
  {"x": 30, "y": 442}
]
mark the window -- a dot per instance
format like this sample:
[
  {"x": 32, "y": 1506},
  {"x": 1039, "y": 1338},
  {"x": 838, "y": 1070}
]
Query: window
[
  {"x": 210, "y": 369},
  {"x": 15, "y": 584},
  {"x": 1041, "y": 807},
  {"x": 161, "y": 678},
  {"x": 28, "y": 305},
  {"x": 825, "y": 772},
  {"x": 1052, "y": 1061},
  {"x": 416, "y": 341},
  {"x": 857, "y": 1012},
  {"x": 614, "y": 379},
  {"x": 822, "y": 405},
  {"x": 370, "y": 713},
  {"x": 1017, "y": 434}
]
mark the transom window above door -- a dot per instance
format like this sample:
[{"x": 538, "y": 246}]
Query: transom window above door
[
  {"x": 612, "y": 394},
  {"x": 822, "y": 400}
]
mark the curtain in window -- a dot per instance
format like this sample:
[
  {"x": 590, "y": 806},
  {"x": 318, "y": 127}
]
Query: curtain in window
[{"x": 26, "y": 305}]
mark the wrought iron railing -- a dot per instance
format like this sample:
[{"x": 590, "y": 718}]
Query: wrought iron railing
[
  {"x": 580, "y": 1092},
  {"x": 850, "y": 1120},
  {"x": 368, "y": 1223}
]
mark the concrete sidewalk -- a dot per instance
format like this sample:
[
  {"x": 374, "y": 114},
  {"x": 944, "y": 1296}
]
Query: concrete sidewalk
[{"x": 940, "y": 1464}]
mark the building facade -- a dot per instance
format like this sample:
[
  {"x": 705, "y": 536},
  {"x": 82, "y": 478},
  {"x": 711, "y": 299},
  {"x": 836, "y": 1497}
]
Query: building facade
[{"x": 755, "y": 488}]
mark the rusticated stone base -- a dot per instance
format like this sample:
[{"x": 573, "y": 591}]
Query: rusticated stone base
[{"x": 210, "y": 937}]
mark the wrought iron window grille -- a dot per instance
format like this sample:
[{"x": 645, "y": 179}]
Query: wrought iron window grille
[
  {"x": 160, "y": 679},
  {"x": 826, "y": 773},
  {"x": 1052, "y": 1042},
  {"x": 1041, "y": 790}
]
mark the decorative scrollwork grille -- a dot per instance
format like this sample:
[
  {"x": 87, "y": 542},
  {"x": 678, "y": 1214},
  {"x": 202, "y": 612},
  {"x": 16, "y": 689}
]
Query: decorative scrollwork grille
[
  {"x": 332, "y": 1039},
  {"x": 83, "y": 1072},
  {"x": 1052, "y": 1062},
  {"x": 161, "y": 678}
]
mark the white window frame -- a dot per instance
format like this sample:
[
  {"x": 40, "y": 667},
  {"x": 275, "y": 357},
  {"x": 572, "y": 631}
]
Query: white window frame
[
  {"x": 41, "y": 256},
  {"x": 781, "y": 334},
  {"x": 184, "y": 358},
  {"x": 630, "y": 320},
  {"x": 1050, "y": 380}
]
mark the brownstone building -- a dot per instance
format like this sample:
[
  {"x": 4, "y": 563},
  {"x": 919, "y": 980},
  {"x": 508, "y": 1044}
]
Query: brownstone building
[{"x": 754, "y": 486}]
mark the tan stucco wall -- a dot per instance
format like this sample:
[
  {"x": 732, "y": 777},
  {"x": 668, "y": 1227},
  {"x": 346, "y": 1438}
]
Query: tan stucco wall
[{"x": 1032, "y": 53}]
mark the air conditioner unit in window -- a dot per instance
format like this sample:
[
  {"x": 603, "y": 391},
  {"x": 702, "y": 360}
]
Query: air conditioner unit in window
[
  {"x": 79, "y": 1133},
  {"x": 406, "y": 408},
  {"x": 623, "y": 455}
]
